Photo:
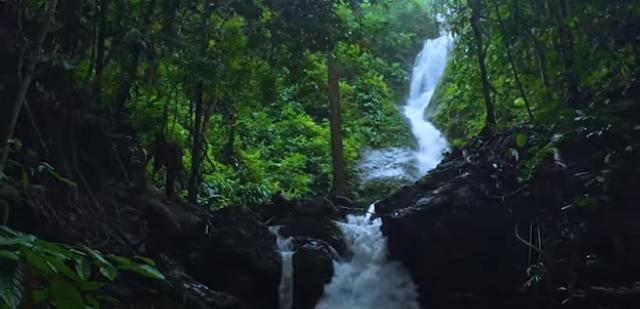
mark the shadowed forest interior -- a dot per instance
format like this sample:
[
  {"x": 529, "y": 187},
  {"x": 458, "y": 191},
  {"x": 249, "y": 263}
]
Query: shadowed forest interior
[{"x": 330, "y": 154}]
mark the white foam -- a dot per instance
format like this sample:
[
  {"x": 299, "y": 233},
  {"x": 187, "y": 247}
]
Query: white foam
[{"x": 406, "y": 163}]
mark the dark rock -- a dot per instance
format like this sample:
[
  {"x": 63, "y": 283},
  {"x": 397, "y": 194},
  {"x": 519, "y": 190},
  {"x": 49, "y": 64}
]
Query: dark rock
[
  {"x": 313, "y": 268},
  {"x": 452, "y": 240},
  {"x": 239, "y": 258},
  {"x": 315, "y": 228},
  {"x": 315, "y": 208},
  {"x": 278, "y": 207},
  {"x": 343, "y": 201},
  {"x": 462, "y": 231},
  {"x": 317, "y": 242},
  {"x": 178, "y": 290}
]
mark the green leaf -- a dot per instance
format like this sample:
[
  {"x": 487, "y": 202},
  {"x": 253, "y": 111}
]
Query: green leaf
[
  {"x": 7, "y": 230},
  {"x": 107, "y": 299},
  {"x": 11, "y": 255},
  {"x": 19, "y": 240},
  {"x": 519, "y": 102},
  {"x": 39, "y": 263},
  {"x": 65, "y": 295},
  {"x": 96, "y": 255},
  {"x": 91, "y": 285},
  {"x": 122, "y": 261},
  {"x": 521, "y": 139},
  {"x": 40, "y": 295},
  {"x": 108, "y": 271},
  {"x": 146, "y": 260},
  {"x": 61, "y": 266},
  {"x": 141, "y": 269},
  {"x": 58, "y": 251},
  {"x": 83, "y": 269},
  {"x": 147, "y": 271},
  {"x": 92, "y": 302}
]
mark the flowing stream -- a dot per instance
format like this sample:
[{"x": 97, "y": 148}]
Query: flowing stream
[
  {"x": 371, "y": 280},
  {"x": 414, "y": 163},
  {"x": 285, "y": 247}
]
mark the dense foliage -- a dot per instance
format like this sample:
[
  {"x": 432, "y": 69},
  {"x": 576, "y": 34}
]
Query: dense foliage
[
  {"x": 554, "y": 56},
  {"x": 35, "y": 272},
  {"x": 219, "y": 103},
  {"x": 261, "y": 117}
]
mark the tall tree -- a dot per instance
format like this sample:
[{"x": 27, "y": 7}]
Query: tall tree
[
  {"x": 476, "y": 9},
  {"x": 337, "y": 152},
  {"x": 321, "y": 34},
  {"x": 130, "y": 67},
  {"x": 201, "y": 111},
  {"x": 25, "y": 83},
  {"x": 101, "y": 33},
  {"x": 560, "y": 11},
  {"x": 506, "y": 39},
  {"x": 197, "y": 141}
]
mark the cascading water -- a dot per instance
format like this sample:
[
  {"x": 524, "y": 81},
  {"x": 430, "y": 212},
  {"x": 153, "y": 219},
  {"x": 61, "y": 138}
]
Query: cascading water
[
  {"x": 370, "y": 280},
  {"x": 406, "y": 163},
  {"x": 285, "y": 247}
]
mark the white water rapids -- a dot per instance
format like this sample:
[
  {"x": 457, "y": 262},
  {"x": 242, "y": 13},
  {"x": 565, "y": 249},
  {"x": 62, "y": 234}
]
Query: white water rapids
[
  {"x": 414, "y": 163},
  {"x": 371, "y": 280},
  {"x": 285, "y": 247}
]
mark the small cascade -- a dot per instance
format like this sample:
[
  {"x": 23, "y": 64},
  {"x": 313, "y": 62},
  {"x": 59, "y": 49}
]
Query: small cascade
[
  {"x": 370, "y": 279},
  {"x": 285, "y": 248},
  {"x": 404, "y": 163}
]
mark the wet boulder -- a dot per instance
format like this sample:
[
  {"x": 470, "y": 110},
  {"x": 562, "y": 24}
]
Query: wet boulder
[
  {"x": 317, "y": 242},
  {"x": 313, "y": 219},
  {"x": 313, "y": 269},
  {"x": 456, "y": 242},
  {"x": 239, "y": 258}
]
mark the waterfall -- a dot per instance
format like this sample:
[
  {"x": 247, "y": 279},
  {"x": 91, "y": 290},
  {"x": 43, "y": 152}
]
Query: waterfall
[
  {"x": 285, "y": 248},
  {"x": 370, "y": 279},
  {"x": 414, "y": 163}
]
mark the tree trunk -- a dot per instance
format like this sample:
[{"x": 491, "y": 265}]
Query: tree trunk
[
  {"x": 541, "y": 60},
  {"x": 337, "y": 155},
  {"x": 512, "y": 63},
  {"x": 200, "y": 117},
  {"x": 196, "y": 145},
  {"x": 490, "y": 121},
  {"x": 100, "y": 48},
  {"x": 169, "y": 11},
  {"x": 23, "y": 87},
  {"x": 130, "y": 72},
  {"x": 565, "y": 47}
]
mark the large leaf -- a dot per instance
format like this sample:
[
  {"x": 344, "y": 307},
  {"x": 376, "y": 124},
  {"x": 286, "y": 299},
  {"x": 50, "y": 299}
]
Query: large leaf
[
  {"x": 38, "y": 262},
  {"x": 109, "y": 272},
  {"x": 11, "y": 255},
  {"x": 83, "y": 269},
  {"x": 62, "y": 267},
  {"x": 65, "y": 295},
  {"x": 141, "y": 269},
  {"x": 26, "y": 240},
  {"x": 147, "y": 271}
]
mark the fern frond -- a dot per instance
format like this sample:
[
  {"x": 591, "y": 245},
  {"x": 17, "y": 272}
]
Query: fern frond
[{"x": 11, "y": 278}]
